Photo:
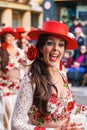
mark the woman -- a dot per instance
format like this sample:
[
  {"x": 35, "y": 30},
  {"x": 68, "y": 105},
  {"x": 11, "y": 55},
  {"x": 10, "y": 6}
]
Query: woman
[
  {"x": 10, "y": 67},
  {"x": 78, "y": 68},
  {"x": 24, "y": 41},
  {"x": 44, "y": 101},
  {"x": 67, "y": 59}
]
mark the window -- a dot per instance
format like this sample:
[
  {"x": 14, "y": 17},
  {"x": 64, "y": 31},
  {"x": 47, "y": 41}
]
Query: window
[
  {"x": 34, "y": 19},
  {"x": 16, "y": 19}
]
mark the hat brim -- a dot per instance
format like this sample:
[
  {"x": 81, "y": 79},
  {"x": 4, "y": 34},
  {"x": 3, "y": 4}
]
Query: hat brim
[
  {"x": 20, "y": 30},
  {"x": 71, "y": 43},
  {"x": 15, "y": 34}
]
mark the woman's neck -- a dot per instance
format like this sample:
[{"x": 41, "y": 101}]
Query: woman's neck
[
  {"x": 10, "y": 46},
  {"x": 11, "y": 49},
  {"x": 52, "y": 71}
]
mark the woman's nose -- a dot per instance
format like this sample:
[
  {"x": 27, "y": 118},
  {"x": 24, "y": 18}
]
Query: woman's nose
[{"x": 56, "y": 47}]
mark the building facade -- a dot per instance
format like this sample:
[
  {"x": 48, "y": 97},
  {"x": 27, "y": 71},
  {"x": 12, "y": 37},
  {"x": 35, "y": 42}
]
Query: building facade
[
  {"x": 65, "y": 10},
  {"x": 24, "y": 13},
  {"x": 28, "y": 13}
]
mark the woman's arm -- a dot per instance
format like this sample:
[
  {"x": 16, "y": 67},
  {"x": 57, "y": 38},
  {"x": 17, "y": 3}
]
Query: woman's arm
[{"x": 23, "y": 104}]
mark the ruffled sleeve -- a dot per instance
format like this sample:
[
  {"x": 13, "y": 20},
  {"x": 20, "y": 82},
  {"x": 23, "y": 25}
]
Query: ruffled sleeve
[{"x": 20, "y": 120}]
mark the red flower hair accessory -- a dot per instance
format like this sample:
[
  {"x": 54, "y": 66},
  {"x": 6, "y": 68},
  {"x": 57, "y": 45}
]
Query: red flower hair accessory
[
  {"x": 4, "y": 46},
  {"x": 32, "y": 53}
]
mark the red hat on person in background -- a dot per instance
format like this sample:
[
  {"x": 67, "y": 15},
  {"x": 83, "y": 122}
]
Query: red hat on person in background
[
  {"x": 30, "y": 30},
  {"x": 20, "y": 30},
  {"x": 55, "y": 28},
  {"x": 9, "y": 30}
]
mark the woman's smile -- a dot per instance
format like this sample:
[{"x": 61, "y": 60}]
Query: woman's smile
[{"x": 53, "y": 57}]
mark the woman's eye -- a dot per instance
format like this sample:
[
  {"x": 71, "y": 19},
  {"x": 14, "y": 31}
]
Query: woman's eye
[
  {"x": 27, "y": 45},
  {"x": 61, "y": 45},
  {"x": 49, "y": 43}
]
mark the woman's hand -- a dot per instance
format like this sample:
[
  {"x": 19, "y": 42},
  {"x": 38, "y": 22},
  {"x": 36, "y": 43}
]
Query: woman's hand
[
  {"x": 71, "y": 126},
  {"x": 77, "y": 64},
  {"x": 75, "y": 126}
]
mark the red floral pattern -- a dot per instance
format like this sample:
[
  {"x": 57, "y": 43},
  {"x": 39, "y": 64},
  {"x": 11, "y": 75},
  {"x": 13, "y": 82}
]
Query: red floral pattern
[
  {"x": 12, "y": 85},
  {"x": 14, "y": 63},
  {"x": 39, "y": 128},
  {"x": 70, "y": 105},
  {"x": 32, "y": 53},
  {"x": 58, "y": 108},
  {"x": 53, "y": 99},
  {"x": 7, "y": 94}
]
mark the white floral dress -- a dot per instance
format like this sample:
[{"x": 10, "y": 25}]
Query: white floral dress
[
  {"x": 14, "y": 84},
  {"x": 59, "y": 109},
  {"x": 9, "y": 89}
]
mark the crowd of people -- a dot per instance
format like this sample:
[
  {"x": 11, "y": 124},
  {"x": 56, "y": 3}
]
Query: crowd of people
[
  {"x": 34, "y": 90},
  {"x": 75, "y": 62}
]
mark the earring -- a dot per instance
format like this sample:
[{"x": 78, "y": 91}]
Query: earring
[{"x": 60, "y": 65}]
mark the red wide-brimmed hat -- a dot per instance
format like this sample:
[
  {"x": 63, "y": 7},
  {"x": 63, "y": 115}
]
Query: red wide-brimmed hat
[
  {"x": 57, "y": 29},
  {"x": 20, "y": 29},
  {"x": 9, "y": 30}
]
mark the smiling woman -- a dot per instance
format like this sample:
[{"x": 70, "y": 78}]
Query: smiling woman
[
  {"x": 53, "y": 50},
  {"x": 45, "y": 101},
  {"x": 10, "y": 63}
]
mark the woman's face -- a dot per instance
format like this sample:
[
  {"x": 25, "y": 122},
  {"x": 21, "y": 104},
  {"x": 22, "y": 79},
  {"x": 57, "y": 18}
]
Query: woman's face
[
  {"x": 9, "y": 38},
  {"x": 25, "y": 44},
  {"x": 83, "y": 49},
  {"x": 53, "y": 50}
]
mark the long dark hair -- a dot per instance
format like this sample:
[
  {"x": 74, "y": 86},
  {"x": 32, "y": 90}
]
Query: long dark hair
[
  {"x": 4, "y": 56},
  {"x": 42, "y": 78}
]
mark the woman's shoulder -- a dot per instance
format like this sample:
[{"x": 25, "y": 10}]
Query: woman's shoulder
[
  {"x": 27, "y": 77},
  {"x": 27, "y": 83},
  {"x": 20, "y": 51}
]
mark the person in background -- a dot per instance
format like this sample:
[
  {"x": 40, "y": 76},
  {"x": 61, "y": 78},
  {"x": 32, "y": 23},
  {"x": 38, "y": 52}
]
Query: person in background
[
  {"x": 45, "y": 101},
  {"x": 22, "y": 34},
  {"x": 23, "y": 42},
  {"x": 75, "y": 24},
  {"x": 78, "y": 69},
  {"x": 10, "y": 67},
  {"x": 67, "y": 59},
  {"x": 80, "y": 40},
  {"x": 84, "y": 26}
]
